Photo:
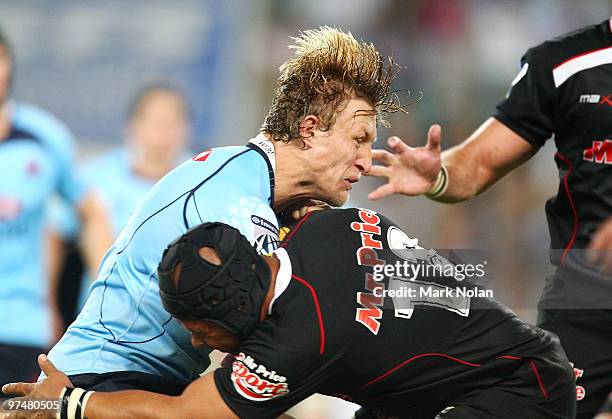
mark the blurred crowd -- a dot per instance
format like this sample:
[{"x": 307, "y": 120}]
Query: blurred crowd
[{"x": 142, "y": 84}]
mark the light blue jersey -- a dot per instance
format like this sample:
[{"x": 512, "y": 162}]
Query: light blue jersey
[
  {"x": 123, "y": 326},
  {"x": 37, "y": 163},
  {"x": 119, "y": 189}
]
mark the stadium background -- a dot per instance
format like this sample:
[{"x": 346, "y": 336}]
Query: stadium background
[{"x": 83, "y": 61}]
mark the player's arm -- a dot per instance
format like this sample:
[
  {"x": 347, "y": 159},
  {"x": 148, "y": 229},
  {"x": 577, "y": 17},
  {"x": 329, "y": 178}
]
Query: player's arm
[
  {"x": 199, "y": 400},
  {"x": 491, "y": 152},
  {"x": 55, "y": 255},
  {"x": 96, "y": 235}
]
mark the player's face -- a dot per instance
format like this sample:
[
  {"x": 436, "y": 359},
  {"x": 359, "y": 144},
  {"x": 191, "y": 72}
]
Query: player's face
[
  {"x": 344, "y": 152},
  {"x": 212, "y": 335},
  {"x": 161, "y": 128},
  {"x": 5, "y": 73}
]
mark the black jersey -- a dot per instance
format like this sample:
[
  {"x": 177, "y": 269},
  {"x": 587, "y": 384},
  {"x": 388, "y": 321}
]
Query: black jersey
[
  {"x": 565, "y": 88},
  {"x": 329, "y": 333}
]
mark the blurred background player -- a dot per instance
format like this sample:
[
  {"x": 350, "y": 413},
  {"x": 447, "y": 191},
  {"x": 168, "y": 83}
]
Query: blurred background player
[
  {"x": 36, "y": 156},
  {"x": 157, "y": 133},
  {"x": 563, "y": 89}
]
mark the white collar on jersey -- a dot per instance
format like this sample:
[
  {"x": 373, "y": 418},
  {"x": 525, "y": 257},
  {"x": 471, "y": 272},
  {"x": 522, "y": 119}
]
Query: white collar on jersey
[
  {"x": 283, "y": 277},
  {"x": 265, "y": 145}
]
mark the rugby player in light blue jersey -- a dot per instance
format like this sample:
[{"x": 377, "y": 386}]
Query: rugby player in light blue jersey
[
  {"x": 157, "y": 131},
  {"x": 36, "y": 153},
  {"x": 315, "y": 142}
]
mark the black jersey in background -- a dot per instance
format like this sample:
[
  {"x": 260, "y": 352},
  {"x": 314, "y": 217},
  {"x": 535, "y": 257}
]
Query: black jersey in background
[{"x": 564, "y": 89}]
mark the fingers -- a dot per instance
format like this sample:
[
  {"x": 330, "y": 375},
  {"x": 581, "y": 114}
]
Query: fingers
[
  {"x": 20, "y": 389},
  {"x": 397, "y": 145},
  {"x": 378, "y": 171},
  {"x": 383, "y": 156},
  {"x": 434, "y": 138},
  {"x": 381, "y": 192},
  {"x": 46, "y": 366}
]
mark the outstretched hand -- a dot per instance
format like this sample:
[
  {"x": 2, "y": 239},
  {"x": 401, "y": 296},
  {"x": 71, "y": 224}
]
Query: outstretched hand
[
  {"x": 409, "y": 170},
  {"x": 49, "y": 388}
]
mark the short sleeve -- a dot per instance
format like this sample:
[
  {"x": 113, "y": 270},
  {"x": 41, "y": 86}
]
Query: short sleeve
[{"x": 529, "y": 106}]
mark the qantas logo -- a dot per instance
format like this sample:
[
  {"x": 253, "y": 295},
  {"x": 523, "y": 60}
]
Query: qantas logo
[
  {"x": 255, "y": 382},
  {"x": 600, "y": 152},
  {"x": 202, "y": 156},
  {"x": 596, "y": 99}
]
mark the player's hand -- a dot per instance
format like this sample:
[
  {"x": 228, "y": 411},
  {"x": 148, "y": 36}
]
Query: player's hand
[
  {"x": 50, "y": 387},
  {"x": 409, "y": 170},
  {"x": 600, "y": 248}
]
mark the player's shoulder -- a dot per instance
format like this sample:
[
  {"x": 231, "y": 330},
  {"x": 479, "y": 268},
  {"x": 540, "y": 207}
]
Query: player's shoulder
[
  {"x": 41, "y": 124},
  {"x": 235, "y": 166},
  {"x": 241, "y": 160},
  {"x": 221, "y": 155},
  {"x": 562, "y": 48}
]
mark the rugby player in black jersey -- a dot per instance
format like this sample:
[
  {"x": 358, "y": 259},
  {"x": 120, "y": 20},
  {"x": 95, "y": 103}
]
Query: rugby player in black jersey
[
  {"x": 564, "y": 88},
  {"x": 312, "y": 319}
]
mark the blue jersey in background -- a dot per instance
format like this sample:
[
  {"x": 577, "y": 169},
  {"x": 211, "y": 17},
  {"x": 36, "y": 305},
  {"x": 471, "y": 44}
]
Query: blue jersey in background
[{"x": 37, "y": 163}]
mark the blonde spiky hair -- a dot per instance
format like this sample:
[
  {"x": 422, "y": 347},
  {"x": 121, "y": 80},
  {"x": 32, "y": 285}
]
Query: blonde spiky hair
[{"x": 328, "y": 67}]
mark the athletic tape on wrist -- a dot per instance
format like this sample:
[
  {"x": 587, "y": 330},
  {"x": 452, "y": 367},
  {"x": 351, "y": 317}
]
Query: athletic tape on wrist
[
  {"x": 58, "y": 415},
  {"x": 74, "y": 403},
  {"x": 64, "y": 402},
  {"x": 84, "y": 401},
  {"x": 440, "y": 185}
]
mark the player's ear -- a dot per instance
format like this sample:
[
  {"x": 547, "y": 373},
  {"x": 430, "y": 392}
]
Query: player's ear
[{"x": 308, "y": 126}]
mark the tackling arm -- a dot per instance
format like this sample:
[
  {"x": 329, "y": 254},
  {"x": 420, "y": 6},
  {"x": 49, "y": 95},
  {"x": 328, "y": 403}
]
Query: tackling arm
[{"x": 201, "y": 399}]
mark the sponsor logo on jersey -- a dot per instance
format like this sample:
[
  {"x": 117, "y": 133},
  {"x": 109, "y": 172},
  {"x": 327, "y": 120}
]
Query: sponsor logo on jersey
[
  {"x": 266, "y": 235},
  {"x": 255, "y": 381},
  {"x": 600, "y": 152},
  {"x": 10, "y": 208},
  {"x": 596, "y": 99},
  {"x": 202, "y": 156},
  {"x": 369, "y": 313}
]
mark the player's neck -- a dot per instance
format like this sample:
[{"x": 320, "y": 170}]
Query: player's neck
[{"x": 293, "y": 180}]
